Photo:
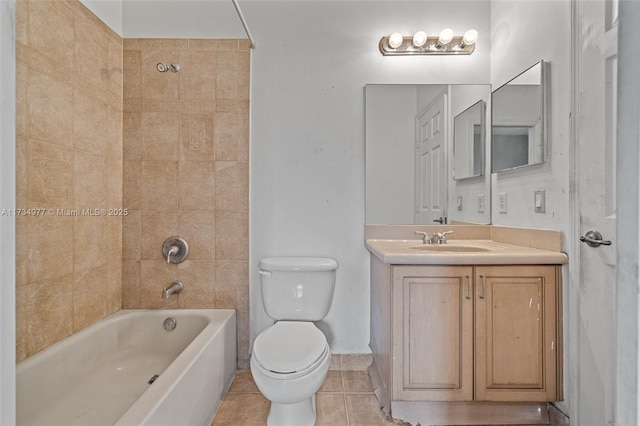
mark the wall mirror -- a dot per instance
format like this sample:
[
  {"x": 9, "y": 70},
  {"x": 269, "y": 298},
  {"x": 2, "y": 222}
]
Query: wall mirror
[
  {"x": 518, "y": 121},
  {"x": 409, "y": 154},
  {"x": 468, "y": 142}
]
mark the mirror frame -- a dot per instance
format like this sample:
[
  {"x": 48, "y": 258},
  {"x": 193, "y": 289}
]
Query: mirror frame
[
  {"x": 543, "y": 109},
  {"x": 483, "y": 119}
]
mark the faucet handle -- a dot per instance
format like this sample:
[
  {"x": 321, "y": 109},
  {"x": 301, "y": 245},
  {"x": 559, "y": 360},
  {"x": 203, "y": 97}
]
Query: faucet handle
[
  {"x": 441, "y": 237},
  {"x": 175, "y": 249},
  {"x": 425, "y": 237}
]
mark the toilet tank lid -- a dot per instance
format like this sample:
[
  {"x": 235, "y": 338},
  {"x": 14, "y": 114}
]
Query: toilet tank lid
[{"x": 298, "y": 263}]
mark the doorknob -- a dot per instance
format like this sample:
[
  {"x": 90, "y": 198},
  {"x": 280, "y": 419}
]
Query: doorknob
[
  {"x": 594, "y": 239},
  {"x": 441, "y": 220}
]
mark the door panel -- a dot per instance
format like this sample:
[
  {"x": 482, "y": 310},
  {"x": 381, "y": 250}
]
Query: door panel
[
  {"x": 596, "y": 144},
  {"x": 431, "y": 180}
]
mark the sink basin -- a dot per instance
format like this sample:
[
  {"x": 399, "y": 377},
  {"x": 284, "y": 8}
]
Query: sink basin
[{"x": 451, "y": 249}]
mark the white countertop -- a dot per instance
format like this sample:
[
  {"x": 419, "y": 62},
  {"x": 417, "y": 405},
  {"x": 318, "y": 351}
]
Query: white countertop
[{"x": 482, "y": 252}]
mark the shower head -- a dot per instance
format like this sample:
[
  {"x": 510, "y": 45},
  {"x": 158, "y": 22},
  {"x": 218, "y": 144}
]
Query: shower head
[{"x": 168, "y": 67}]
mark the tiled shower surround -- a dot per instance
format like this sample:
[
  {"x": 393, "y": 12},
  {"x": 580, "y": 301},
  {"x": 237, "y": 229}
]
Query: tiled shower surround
[
  {"x": 186, "y": 173},
  {"x": 98, "y": 127},
  {"x": 69, "y": 157}
]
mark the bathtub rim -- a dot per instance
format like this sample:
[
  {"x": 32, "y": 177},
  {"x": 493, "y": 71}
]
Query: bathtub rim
[{"x": 143, "y": 407}]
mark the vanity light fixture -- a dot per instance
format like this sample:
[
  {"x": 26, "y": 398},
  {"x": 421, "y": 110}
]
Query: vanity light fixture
[
  {"x": 445, "y": 37},
  {"x": 420, "y": 39},
  {"x": 446, "y": 43},
  {"x": 395, "y": 40},
  {"x": 469, "y": 38}
]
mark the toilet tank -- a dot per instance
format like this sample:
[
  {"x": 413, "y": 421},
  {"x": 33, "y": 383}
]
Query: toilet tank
[{"x": 297, "y": 288}]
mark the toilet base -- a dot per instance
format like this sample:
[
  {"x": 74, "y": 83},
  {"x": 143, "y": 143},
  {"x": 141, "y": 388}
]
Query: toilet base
[{"x": 304, "y": 413}]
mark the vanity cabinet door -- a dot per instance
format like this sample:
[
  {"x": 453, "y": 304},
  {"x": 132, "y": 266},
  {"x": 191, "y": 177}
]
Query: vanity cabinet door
[
  {"x": 432, "y": 333},
  {"x": 516, "y": 335}
]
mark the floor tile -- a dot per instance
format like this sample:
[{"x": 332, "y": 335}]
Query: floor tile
[
  {"x": 356, "y": 362},
  {"x": 331, "y": 410},
  {"x": 335, "y": 362},
  {"x": 357, "y": 381},
  {"x": 243, "y": 382},
  {"x": 364, "y": 410},
  {"x": 345, "y": 399},
  {"x": 333, "y": 382},
  {"x": 246, "y": 409}
]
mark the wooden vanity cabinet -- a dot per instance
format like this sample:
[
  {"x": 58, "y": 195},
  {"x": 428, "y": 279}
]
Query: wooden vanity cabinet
[
  {"x": 517, "y": 333},
  {"x": 476, "y": 333},
  {"x": 432, "y": 333}
]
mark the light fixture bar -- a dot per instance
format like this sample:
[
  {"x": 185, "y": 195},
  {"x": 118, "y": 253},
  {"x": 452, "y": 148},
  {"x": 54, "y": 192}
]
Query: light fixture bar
[{"x": 432, "y": 47}]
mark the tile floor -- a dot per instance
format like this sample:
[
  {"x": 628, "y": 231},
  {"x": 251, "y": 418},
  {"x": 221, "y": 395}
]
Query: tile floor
[{"x": 345, "y": 399}]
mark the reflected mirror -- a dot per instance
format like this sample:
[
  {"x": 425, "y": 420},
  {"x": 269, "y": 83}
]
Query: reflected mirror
[
  {"x": 518, "y": 125},
  {"x": 410, "y": 154},
  {"x": 468, "y": 142}
]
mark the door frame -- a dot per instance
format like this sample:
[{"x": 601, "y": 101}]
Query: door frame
[{"x": 627, "y": 234}]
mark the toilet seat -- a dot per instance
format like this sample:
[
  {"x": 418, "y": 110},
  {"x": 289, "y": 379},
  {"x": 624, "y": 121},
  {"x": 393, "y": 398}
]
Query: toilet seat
[{"x": 290, "y": 349}]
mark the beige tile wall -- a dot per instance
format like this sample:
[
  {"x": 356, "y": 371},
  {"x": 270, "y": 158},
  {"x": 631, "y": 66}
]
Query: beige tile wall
[
  {"x": 69, "y": 156},
  {"x": 186, "y": 173}
]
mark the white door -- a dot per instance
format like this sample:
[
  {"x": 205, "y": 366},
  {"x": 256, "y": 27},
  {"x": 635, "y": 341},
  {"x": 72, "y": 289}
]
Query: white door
[
  {"x": 431, "y": 183},
  {"x": 596, "y": 58}
]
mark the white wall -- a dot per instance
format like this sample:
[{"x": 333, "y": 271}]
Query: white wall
[
  {"x": 311, "y": 62},
  {"x": 180, "y": 19},
  {"x": 523, "y": 33},
  {"x": 7, "y": 222}
]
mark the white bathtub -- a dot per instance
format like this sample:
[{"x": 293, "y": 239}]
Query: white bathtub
[{"x": 99, "y": 376}]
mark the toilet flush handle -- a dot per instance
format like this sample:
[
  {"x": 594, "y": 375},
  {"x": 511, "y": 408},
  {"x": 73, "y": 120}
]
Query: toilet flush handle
[{"x": 265, "y": 273}]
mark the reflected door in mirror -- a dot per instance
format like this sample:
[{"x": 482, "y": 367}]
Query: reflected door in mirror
[{"x": 431, "y": 184}]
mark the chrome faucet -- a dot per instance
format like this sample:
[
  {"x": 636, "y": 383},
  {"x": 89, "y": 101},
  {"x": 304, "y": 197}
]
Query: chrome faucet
[
  {"x": 425, "y": 237},
  {"x": 440, "y": 237},
  {"x": 173, "y": 250},
  {"x": 175, "y": 288}
]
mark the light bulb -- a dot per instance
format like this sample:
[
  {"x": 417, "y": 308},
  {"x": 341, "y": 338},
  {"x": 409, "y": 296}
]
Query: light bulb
[
  {"x": 446, "y": 36},
  {"x": 419, "y": 39},
  {"x": 470, "y": 37},
  {"x": 395, "y": 40}
]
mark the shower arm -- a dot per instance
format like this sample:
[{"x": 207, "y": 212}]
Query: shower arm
[{"x": 244, "y": 22}]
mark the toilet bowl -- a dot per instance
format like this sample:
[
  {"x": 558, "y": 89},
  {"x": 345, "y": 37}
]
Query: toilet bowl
[
  {"x": 289, "y": 363},
  {"x": 290, "y": 359}
]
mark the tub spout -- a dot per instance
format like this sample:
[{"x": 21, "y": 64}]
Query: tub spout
[{"x": 175, "y": 288}]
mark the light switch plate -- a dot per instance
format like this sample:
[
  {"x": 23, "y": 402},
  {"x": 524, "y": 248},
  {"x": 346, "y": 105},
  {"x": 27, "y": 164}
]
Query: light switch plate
[
  {"x": 539, "y": 201},
  {"x": 480, "y": 203},
  {"x": 502, "y": 202},
  {"x": 459, "y": 202}
]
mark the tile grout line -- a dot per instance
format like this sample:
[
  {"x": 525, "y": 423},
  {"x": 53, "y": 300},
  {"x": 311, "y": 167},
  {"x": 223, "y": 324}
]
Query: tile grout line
[{"x": 344, "y": 393}]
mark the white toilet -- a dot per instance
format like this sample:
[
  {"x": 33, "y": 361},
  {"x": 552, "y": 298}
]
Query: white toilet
[{"x": 291, "y": 358}]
